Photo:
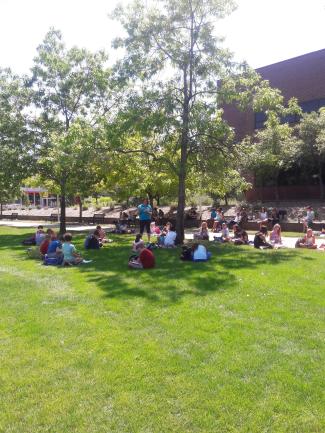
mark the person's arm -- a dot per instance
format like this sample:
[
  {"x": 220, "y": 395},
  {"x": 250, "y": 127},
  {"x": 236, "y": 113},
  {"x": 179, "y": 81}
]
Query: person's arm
[{"x": 74, "y": 251}]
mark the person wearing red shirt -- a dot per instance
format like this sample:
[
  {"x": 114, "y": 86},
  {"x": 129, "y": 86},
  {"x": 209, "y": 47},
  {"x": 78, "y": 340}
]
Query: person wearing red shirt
[
  {"x": 145, "y": 260},
  {"x": 45, "y": 245}
]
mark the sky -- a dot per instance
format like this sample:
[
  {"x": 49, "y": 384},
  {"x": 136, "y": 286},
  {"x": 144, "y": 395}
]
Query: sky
[{"x": 259, "y": 31}]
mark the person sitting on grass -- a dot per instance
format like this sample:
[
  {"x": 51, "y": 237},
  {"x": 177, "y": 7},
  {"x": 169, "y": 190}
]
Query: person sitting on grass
[
  {"x": 240, "y": 237},
  {"x": 260, "y": 239},
  {"x": 138, "y": 243},
  {"x": 39, "y": 235},
  {"x": 308, "y": 241},
  {"x": 204, "y": 232},
  {"x": 161, "y": 238},
  {"x": 102, "y": 235},
  {"x": 43, "y": 248},
  {"x": 170, "y": 238},
  {"x": 70, "y": 255},
  {"x": 154, "y": 229},
  {"x": 275, "y": 235},
  {"x": 200, "y": 253},
  {"x": 145, "y": 260},
  {"x": 54, "y": 248},
  {"x": 93, "y": 241},
  {"x": 225, "y": 236}
]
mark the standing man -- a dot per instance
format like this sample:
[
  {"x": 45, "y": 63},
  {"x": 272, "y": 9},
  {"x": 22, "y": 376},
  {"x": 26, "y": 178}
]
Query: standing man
[{"x": 145, "y": 211}]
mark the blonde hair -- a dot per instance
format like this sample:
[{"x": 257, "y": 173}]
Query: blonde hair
[{"x": 277, "y": 227}]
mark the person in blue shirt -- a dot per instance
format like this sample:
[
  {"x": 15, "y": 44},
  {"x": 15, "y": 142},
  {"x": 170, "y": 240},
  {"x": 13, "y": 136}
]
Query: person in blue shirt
[
  {"x": 145, "y": 212},
  {"x": 54, "y": 246}
]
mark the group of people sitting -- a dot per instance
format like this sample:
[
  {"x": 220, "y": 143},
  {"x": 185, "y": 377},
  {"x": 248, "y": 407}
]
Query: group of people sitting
[
  {"x": 59, "y": 250},
  {"x": 143, "y": 256},
  {"x": 239, "y": 236},
  {"x": 218, "y": 217},
  {"x": 54, "y": 250}
]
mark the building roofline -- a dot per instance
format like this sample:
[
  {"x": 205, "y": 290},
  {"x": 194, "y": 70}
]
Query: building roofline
[{"x": 292, "y": 58}]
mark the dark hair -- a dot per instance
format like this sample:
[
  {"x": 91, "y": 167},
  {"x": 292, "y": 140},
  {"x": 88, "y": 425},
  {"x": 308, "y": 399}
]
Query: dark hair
[
  {"x": 96, "y": 233},
  {"x": 263, "y": 230},
  {"x": 67, "y": 237},
  {"x": 138, "y": 237},
  {"x": 172, "y": 228},
  {"x": 98, "y": 228},
  {"x": 40, "y": 227}
]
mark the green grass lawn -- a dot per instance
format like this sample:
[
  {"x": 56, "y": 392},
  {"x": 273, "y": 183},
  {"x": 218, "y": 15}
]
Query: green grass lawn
[{"x": 232, "y": 345}]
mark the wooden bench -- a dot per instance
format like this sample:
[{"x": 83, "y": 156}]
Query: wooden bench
[{"x": 98, "y": 218}]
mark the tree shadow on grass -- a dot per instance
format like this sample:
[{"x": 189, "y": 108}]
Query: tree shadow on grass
[{"x": 173, "y": 279}]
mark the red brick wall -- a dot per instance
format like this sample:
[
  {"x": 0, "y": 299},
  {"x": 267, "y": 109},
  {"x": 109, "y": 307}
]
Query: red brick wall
[
  {"x": 296, "y": 192},
  {"x": 302, "y": 77}
]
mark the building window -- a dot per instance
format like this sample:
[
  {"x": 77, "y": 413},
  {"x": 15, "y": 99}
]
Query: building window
[
  {"x": 260, "y": 119},
  {"x": 309, "y": 106},
  {"x": 306, "y": 106}
]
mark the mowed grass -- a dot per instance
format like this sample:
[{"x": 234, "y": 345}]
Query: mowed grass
[{"x": 232, "y": 345}]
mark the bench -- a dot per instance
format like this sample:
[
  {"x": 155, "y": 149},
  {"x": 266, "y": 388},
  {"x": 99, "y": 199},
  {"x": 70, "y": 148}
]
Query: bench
[
  {"x": 53, "y": 217},
  {"x": 14, "y": 216},
  {"x": 98, "y": 218}
]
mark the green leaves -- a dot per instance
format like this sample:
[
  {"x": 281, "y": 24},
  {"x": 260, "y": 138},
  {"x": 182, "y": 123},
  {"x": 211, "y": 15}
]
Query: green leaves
[{"x": 15, "y": 139}]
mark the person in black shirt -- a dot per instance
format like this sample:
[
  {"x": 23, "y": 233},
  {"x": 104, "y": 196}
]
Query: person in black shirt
[{"x": 260, "y": 239}]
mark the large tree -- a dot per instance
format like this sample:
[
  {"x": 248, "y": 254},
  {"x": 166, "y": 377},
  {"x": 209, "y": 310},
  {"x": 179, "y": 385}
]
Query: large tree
[
  {"x": 271, "y": 149},
  {"x": 311, "y": 143},
  {"x": 175, "y": 60},
  {"x": 15, "y": 139},
  {"x": 71, "y": 95}
]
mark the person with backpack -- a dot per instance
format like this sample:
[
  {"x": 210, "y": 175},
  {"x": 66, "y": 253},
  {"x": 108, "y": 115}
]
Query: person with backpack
[{"x": 145, "y": 260}]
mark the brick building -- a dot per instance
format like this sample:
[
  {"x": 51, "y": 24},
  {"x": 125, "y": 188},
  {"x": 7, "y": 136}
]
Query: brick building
[{"x": 302, "y": 77}]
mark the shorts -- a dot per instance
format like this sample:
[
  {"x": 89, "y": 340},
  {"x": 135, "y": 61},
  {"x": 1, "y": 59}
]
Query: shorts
[{"x": 145, "y": 224}]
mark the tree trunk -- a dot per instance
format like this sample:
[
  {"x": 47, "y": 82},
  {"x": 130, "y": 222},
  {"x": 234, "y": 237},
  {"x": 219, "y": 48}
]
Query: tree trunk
[
  {"x": 80, "y": 210},
  {"x": 150, "y": 196},
  {"x": 277, "y": 195},
  {"x": 158, "y": 200},
  {"x": 182, "y": 166},
  {"x": 1, "y": 206},
  {"x": 320, "y": 179},
  {"x": 181, "y": 196},
  {"x": 226, "y": 200},
  {"x": 63, "y": 228}
]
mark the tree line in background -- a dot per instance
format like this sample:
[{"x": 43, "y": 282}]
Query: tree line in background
[{"x": 151, "y": 124}]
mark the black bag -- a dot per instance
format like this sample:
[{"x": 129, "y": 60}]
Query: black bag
[{"x": 186, "y": 254}]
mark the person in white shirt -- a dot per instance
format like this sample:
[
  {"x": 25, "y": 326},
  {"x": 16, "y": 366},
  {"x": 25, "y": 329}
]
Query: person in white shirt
[
  {"x": 170, "y": 238},
  {"x": 263, "y": 217},
  {"x": 225, "y": 236}
]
